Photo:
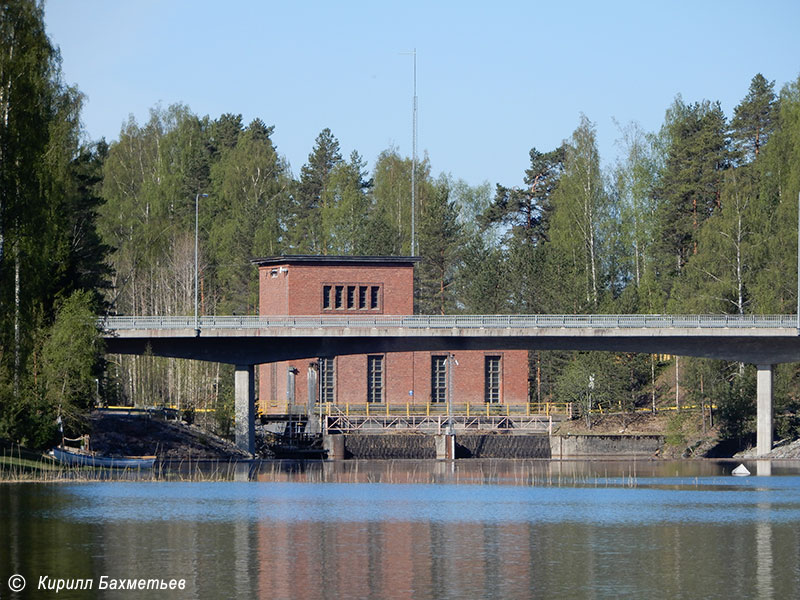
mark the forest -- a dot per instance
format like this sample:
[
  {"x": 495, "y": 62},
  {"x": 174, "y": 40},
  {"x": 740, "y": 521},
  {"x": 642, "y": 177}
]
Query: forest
[{"x": 697, "y": 217}]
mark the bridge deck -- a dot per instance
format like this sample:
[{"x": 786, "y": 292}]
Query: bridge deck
[
  {"x": 128, "y": 323},
  {"x": 763, "y": 340}
]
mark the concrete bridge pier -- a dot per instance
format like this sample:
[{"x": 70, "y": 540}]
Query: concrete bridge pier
[
  {"x": 244, "y": 399},
  {"x": 763, "y": 410}
]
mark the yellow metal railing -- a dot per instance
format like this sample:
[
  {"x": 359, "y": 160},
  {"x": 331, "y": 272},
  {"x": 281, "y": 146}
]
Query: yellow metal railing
[{"x": 428, "y": 409}]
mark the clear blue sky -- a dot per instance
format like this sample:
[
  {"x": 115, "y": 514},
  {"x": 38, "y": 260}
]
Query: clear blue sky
[{"x": 493, "y": 78}]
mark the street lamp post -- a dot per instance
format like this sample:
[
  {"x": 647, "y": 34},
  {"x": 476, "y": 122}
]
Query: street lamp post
[{"x": 196, "y": 248}]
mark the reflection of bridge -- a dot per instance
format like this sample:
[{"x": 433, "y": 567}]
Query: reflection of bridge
[{"x": 248, "y": 341}]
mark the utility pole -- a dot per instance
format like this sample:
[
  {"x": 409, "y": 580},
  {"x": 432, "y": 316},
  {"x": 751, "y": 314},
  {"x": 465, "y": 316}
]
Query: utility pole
[
  {"x": 196, "y": 248},
  {"x": 451, "y": 359}
]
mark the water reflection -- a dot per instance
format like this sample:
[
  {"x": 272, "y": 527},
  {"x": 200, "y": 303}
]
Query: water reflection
[
  {"x": 763, "y": 548},
  {"x": 441, "y": 530}
]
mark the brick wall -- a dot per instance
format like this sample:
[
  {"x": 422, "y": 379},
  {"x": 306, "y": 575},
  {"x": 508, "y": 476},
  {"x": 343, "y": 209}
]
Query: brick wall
[
  {"x": 296, "y": 289},
  {"x": 289, "y": 288}
]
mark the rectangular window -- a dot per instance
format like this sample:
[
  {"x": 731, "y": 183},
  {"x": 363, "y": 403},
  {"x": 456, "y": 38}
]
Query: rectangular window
[
  {"x": 375, "y": 379},
  {"x": 351, "y": 297},
  {"x": 438, "y": 379},
  {"x": 338, "y": 297},
  {"x": 362, "y": 297},
  {"x": 374, "y": 297},
  {"x": 327, "y": 380},
  {"x": 491, "y": 373},
  {"x": 326, "y": 297}
]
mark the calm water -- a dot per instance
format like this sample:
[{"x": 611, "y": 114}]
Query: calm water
[{"x": 417, "y": 529}]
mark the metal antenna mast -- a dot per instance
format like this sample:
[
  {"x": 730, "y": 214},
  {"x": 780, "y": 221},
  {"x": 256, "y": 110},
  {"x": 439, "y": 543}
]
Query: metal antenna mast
[
  {"x": 414, "y": 159},
  {"x": 413, "y": 156}
]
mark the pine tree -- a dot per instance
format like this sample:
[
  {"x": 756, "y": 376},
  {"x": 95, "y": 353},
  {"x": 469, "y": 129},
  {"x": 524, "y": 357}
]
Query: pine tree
[
  {"x": 754, "y": 118},
  {"x": 307, "y": 234},
  {"x": 527, "y": 209},
  {"x": 689, "y": 191},
  {"x": 525, "y": 215}
]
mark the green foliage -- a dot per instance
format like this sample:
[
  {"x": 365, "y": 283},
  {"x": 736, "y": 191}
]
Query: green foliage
[
  {"x": 308, "y": 234},
  {"x": 736, "y": 409},
  {"x": 439, "y": 243},
  {"x": 754, "y": 118},
  {"x": 674, "y": 434},
  {"x": 526, "y": 210},
  {"x": 50, "y": 249},
  {"x": 482, "y": 281},
  {"x": 690, "y": 184},
  {"x": 592, "y": 380},
  {"x": 72, "y": 359},
  {"x": 634, "y": 182},
  {"x": 579, "y": 209},
  {"x": 391, "y": 193},
  {"x": 244, "y": 215},
  {"x": 345, "y": 209},
  {"x": 700, "y": 217}
]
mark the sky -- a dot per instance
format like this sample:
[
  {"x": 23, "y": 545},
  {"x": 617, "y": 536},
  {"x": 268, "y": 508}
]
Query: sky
[{"x": 493, "y": 79}]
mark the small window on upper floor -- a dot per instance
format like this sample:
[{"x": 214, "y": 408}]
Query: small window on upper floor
[
  {"x": 375, "y": 297},
  {"x": 352, "y": 297},
  {"x": 362, "y": 297},
  {"x": 338, "y": 297},
  {"x": 326, "y": 297}
]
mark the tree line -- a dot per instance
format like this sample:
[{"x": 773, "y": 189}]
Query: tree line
[{"x": 697, "y": 217}]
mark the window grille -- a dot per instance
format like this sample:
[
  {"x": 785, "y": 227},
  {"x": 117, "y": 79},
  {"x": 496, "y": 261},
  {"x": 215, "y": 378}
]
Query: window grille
[
  {"x": 326, "y": 297},
  {"x": 362, "y": 297},
  {"x": 374, "y": 297},
  {"x": 438, "y": 379},
  {"x": 375, "y": 379},
  {"x": 492, "y": 379}
]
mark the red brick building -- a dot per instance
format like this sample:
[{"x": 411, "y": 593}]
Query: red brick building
[{"x": 367, "y": 285}]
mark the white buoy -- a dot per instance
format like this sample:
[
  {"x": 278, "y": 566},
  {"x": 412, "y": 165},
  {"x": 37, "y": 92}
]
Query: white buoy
[{"x": 741, "y": 471}]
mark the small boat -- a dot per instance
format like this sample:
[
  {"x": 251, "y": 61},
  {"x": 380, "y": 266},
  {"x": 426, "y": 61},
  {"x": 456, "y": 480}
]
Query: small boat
[{"x": 78, "y": 458}]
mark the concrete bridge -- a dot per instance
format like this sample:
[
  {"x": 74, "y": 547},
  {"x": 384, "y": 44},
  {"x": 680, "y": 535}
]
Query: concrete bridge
[{"x": 246, "y": 341}]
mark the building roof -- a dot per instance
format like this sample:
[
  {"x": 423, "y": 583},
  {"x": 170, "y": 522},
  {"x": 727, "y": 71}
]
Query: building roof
[{"x": 315, "y": 259}]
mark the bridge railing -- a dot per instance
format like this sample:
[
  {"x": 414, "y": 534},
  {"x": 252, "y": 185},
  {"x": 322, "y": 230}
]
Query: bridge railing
[{"x": 451, "y": 321}]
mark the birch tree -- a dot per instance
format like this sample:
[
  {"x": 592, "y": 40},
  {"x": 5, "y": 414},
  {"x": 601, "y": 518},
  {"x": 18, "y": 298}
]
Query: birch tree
[{"x": 579, "y": 205}]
